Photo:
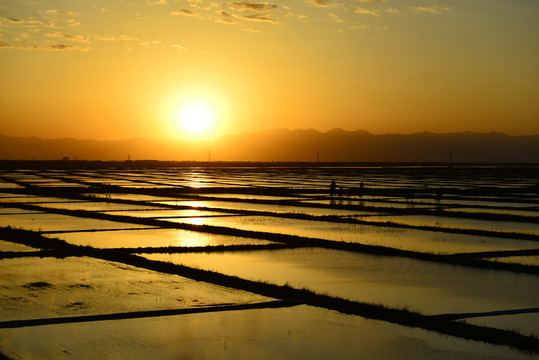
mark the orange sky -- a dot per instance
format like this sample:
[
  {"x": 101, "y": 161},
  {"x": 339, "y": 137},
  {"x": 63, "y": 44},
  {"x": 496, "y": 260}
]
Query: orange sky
[{"x": 121, "y": 69}]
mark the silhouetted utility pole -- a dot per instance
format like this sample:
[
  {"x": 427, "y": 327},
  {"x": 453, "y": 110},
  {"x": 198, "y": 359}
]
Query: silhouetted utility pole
[
  {"x": 209, "y": 156},
  {"x": 317, "y": 155}
]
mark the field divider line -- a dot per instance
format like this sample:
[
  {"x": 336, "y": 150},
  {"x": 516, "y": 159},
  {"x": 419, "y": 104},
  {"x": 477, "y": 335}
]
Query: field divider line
[
  {"x": 432, "y": 211},
  {"x": 11, "y": 324},
  {"x": 63, "y": 253},
  {"x": 459, "y": 316},
  {"x": 186, "y": 193},
  {"x": 298, "y": 240},
  {"x": 348, "y": 220},
  {"x": 285, "y": 292},
  {"x": 24, "y": 254},
  {"x": 298, "y": 216},
  {"x": 500, "y": 253},
  {"x": 97, "y": 230},
  {"x": 367, "y": 310}
]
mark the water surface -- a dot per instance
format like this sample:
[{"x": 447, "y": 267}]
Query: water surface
[
  {"x": 422, "y": 286},
  {"x": 291, "y": 333}
]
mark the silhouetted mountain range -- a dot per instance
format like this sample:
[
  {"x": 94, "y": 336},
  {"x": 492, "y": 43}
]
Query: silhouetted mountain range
[{"x": 290, "y": 145}]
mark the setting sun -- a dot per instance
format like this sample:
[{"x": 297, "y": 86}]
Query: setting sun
[{"x": 196, "y": 119}]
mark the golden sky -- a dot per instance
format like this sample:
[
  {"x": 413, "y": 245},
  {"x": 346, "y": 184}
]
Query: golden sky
[{"x": 116, "y": 69}]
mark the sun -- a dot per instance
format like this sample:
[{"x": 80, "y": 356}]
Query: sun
[{"x": 196, "y": 118}]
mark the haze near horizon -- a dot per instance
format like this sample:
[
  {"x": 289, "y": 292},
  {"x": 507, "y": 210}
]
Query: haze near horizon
[{"x": 198, "y": 70}]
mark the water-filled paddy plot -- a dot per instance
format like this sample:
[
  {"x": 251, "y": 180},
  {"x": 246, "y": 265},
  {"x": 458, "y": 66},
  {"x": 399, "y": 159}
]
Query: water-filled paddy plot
[{"x": 270, "y": 262}]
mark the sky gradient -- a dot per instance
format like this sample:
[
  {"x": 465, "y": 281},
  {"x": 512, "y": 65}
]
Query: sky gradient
[{"x": 119, "y": 69}]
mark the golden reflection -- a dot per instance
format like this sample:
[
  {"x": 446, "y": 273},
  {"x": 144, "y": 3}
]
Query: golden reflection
[
  {"x": 191, "y": 242},
  {"x": 195, "y": 221},
  {"x": 192, "y": 239},
  {"x": 195, "y": 182},
  {"x": 194, "y": 204}
]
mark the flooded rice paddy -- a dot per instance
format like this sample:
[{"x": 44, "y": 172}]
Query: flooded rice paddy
[
  {"x": 426, "y": 287},
  {"x": 154, "y": 238},
  {"x": 286, "y": 333},
  {"x": 269, "y": 262},
  {"x": 46, "y": 288}
]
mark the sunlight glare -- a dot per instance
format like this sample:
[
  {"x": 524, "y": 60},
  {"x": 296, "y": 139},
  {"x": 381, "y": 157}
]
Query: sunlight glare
[{"x": 196, "y": 119}]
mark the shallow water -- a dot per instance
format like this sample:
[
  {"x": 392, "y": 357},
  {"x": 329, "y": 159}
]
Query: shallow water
[
  {"x": 524, "y": 260},
  {"x": 17, "y": 211},
  {"x": 152, "y": 238},
  {"x": 164, "y": 213},
  {"x": 55, "y": 222},
  {"x": 97, "y": 206},
  {"x": 9, "y": 246},
  {"x": 252, "y": 196},
  {"x": 366, "y": 202},
  {"x": 417, "y": 240},
  {"x": 300, "y": 332},
  {"x": 33, "y": 199},
  {"x": 136, "y": 197},
  {"x": 34, "y": 288},
  {"x": 476, "y": 202},
  {"x": 527, "y": 323},
  {"x": 8, "y": 185},
  {"x": 426, "y": 287},
  {"x": 466, "y": 205},
  {"x": 6, "y": 196},
  {"x": 460, "y": 223},
  {"x": 59, "y": 184},
  {"x": 49, "y": 287},
  {"x": 121, "y": 183},
  {"x": 276, "y": 208},
  {"x": 531, "y": 211}
]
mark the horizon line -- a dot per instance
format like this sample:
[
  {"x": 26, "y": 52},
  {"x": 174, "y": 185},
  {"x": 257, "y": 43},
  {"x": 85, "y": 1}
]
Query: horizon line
[{"x": 335, "y": 129}]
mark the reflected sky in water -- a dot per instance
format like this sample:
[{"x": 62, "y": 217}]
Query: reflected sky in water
[
  {"x": 152, "y": 238},
  {"x": 57, "y": 222},
  {"x": 407, "y": 239},
  {"x": 427, "y": 287},
  {"x": 35, "y": 288},
  {"x": 290, "y": 333},
  {"x": 76, "y": 286}
]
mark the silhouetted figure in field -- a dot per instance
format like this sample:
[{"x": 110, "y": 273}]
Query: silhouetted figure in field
[
  {"x": 355, "y": 191},
  {"x": 332, "y": 188},
  {"x": 439, "y": 194}
]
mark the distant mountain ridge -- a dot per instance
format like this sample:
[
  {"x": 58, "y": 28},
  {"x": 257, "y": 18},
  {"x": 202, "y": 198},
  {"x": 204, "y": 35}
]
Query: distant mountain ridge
[{"x": 290, "y": 145}]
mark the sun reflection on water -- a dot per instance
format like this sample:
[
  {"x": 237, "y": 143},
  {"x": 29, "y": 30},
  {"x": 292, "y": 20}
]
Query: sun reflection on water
[
  {"x": 195, "y": 204},
  {"x": 192, "y": 242},
  {"x": 195, "y": 221}
]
